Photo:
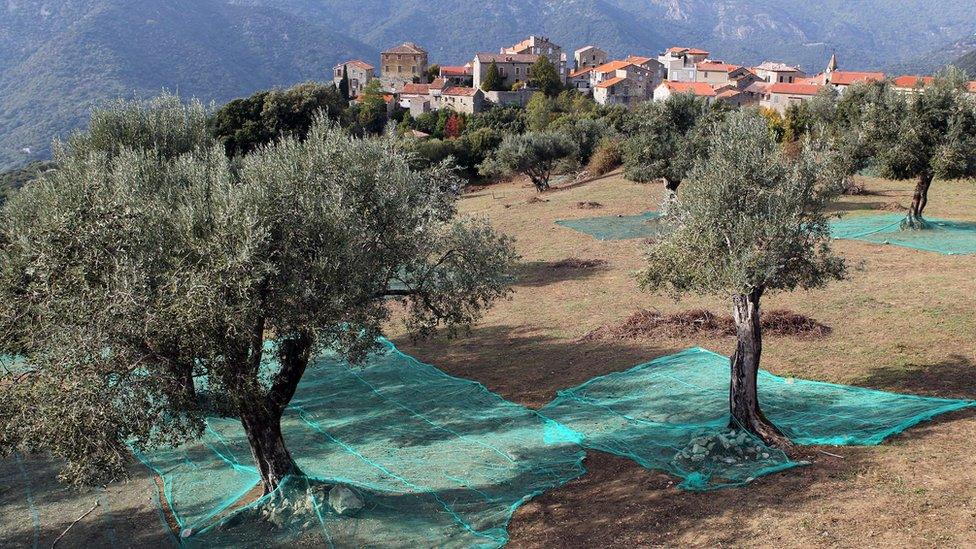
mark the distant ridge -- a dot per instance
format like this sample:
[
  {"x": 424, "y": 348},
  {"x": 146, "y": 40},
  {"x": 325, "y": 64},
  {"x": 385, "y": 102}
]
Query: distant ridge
[
  {"x": 58, "y": 58},
  {"x": 55, "y": 63}
]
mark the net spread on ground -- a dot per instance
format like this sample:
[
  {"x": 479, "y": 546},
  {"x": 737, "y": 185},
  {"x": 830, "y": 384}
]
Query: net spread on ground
[
  {"x": 438, "y": 460},
  {"x": 942, "y": 236},
  {"x": 671, "y": 414},
  {"x": 645, "y": 225}
]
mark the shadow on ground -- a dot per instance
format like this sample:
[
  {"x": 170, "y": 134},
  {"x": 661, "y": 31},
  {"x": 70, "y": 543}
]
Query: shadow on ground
[
  {"x": 954, "y": 377},
  {"x": 543, "y": 273}
]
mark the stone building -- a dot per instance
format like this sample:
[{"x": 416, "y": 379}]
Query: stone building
[
  {"x": 403, "y": 64},
  {"x": 359, "y": 73},
  {"x": 513, "y": 68},
  {"x": 540, "y": 45},
  {"x": 589, "y": 57}
]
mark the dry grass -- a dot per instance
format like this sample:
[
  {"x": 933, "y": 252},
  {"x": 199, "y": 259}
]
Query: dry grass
[{"x": 903, "y": 321}]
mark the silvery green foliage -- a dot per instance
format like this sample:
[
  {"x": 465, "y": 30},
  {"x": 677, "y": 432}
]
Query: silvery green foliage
[
  {"x": 909, "y": 135},
  {"x": 664, "y": 139},
  {"x": 129, "y": 271},
  {"x": 535, "y": 154},
  {"x": 748, "y": 218}
]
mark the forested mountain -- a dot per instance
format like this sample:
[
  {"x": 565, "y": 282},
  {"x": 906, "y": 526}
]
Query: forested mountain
[
  {"x": 58, "y": 57},
  {"x": 968, "y": 63},
  {"x": 865, "y": 33}
]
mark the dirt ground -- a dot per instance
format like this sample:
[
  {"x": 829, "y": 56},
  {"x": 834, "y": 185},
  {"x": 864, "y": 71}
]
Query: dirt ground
[{"x": 903, "y": 321}]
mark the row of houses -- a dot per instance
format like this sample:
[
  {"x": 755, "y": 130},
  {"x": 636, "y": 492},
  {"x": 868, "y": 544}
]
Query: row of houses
[{"x": 627, "y": 82}]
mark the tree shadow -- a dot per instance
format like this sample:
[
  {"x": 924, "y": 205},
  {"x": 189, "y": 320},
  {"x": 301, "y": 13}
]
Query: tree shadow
[
  {"x": 618, "y": 501},
  {"x": 544, "y": 273},
  {"x": 953, "y": 377},
  {"x": 37, "y": 508},
  {"x": 585, "y": 182},
  {"x": 891, "y": 206},
  {"x": 526, "y": 365}
]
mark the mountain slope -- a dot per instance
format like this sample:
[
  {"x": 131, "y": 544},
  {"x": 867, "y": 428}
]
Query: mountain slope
[
  {"x": 58, "y": 57},
  {"x": 864, "y": 34},
  {"x": 967, "y": 63},
  {"x": 58, "y": 63}
]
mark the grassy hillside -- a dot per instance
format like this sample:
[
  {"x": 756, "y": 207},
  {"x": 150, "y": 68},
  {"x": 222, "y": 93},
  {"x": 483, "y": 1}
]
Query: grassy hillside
[{"x": 55, "y": 66}]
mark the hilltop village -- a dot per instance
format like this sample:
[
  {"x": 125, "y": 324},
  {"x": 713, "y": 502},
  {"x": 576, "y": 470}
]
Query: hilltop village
[{"x": 505, "y": 78}]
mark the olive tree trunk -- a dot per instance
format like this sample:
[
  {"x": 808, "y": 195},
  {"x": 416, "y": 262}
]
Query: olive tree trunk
[
  {"x": 920, "y": 198},
  {"x": 743, "y": 393},
  {"x": 261, "y": 417},
  {"x": 271, "y": 456}
]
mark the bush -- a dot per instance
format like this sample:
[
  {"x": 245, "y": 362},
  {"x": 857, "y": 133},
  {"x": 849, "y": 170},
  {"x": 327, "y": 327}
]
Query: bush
[{"x": 606, "y": 158}]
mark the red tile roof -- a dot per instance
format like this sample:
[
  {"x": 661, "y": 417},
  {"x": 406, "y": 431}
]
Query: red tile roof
[
  {"x": 638, "y": 60},
  {"x": 689, "y": 51},
  {"x": 438, "y": 83},
  {"x": 455, "y": 71},
  {"x": 612, "y": 66},
  {"x": 785, "y": 88},
  {"x": 610, "y": 82},
  {"x": 581, "y": 72},
  {"x": 846, "y": 78},
  {"x": 909, "y": 81},
  {"x": 696, "y": 88},
  {"x": 358, "y": 63},
  {"x": 415, "y": 89},
  {"x": 461, "y": 91},
  {"x": 717, "y": 67}
]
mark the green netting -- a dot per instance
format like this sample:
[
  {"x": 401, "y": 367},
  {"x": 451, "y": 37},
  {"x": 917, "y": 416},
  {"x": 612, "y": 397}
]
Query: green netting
[
  {"x": 943, "y": 236},
  {"x": 671, "y": 414},
  {"x": 438, "y": 460},
  {"x": 616, "y": 227}
]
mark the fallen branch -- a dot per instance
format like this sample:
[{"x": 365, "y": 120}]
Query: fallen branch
[
  {"x": 77, "y": 520},
  {"x": 831, "y": 455}
]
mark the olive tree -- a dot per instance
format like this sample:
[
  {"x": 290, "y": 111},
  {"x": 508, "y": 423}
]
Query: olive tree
[
  {"x": 665, "y": 138},
  {"x": 144, "y": 290},
  {"x": 534, "y": 154},
  {"x": 750, "y": 221},
  {"x": 922, "y": 136}
]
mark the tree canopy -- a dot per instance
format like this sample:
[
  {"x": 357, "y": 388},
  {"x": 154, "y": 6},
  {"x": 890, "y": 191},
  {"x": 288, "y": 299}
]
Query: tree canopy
[
  {"x": 545, "y": 77},
  {"x": 245, "y": 124},
  {"x": 750, "y": 221},
  {"x": 141, "y": 280},
  {"x": 535, "y": 154},
  {"x": 665, "y": 138},
  {"x": 493, "y": 79},
  {"x": 924, "y": 136}
]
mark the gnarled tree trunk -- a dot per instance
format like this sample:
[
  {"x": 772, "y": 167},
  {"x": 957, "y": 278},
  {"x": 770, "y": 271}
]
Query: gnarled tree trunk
[
  {"x": 274, "y": 462},
  {"x": 920, "y": 198},
  {"x": 261, "y": 417},
  {"x": 743, "y": 393}
]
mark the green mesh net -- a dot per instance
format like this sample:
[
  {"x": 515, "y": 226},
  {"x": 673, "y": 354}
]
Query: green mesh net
[
  {"x": 624, "y": 227},
  {"x": 942, "y": 236},
  {"x": 436, "y": 460},
  {"x": 671, "y": 414}
]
